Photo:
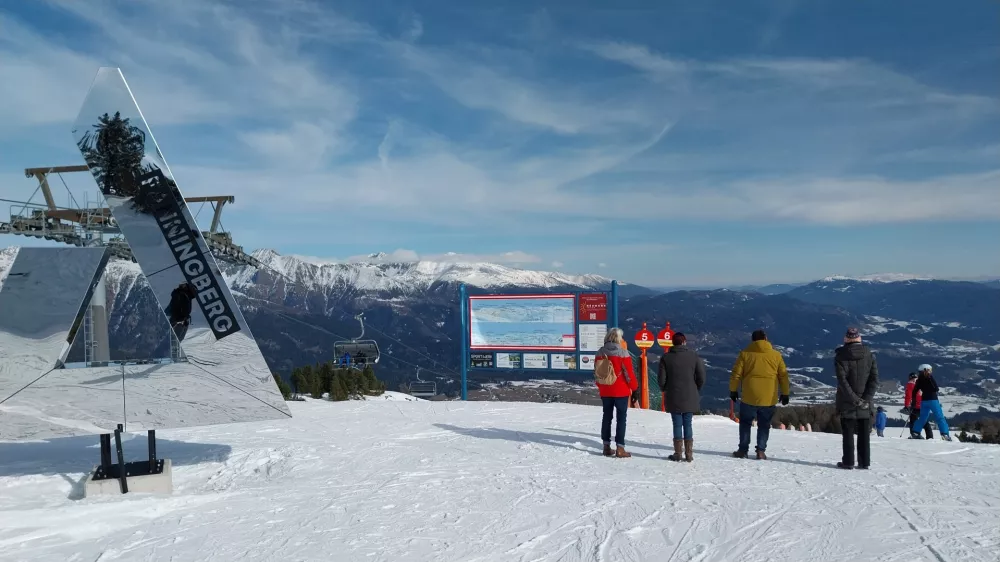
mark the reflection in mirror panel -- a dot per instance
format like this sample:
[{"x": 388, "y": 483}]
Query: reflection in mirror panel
[
  {"x": 42, "y": 303},
  {"x": 168, "y": 246},
  {"x": 42, "y": 306}
]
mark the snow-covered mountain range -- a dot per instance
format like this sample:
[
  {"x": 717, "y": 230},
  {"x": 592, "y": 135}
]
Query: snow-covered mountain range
[
  {"x": 297, "y": 307},
  {"x": 379, "y": 275}
]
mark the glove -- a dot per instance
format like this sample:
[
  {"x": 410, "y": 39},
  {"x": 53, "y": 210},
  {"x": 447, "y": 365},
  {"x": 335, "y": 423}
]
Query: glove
[
  {"x": 862, "y": 404},
  {"x": 734, "y": 396},
  {"x": 635, "y": 396},
  {"x": 906, "y": 410},
  {"x": 784, "y": 399}
]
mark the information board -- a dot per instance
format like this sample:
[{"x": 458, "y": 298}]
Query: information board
[
  {"x": 592, "y": 336},
  {"x": 508, "y": 361},
  {"x": 536, "y": 360},
  {"x": 535, "y": 332},
  {"x": 514, "y": 322},
  {"x": 562, "y": 361}
]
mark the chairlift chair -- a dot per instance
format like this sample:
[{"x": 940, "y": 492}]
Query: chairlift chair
[
  {"x": 421, "y": 388},
  {"x": 357, "y": 352}
]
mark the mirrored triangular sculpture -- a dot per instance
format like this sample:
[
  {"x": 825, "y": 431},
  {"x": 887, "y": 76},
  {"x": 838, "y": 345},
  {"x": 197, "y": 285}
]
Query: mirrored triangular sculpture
[{"x": 216, "y": 373}]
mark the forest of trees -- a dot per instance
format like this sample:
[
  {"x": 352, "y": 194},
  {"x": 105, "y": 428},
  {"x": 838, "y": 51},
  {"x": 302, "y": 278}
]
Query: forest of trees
[
  {"x": 988, "y": 428},
  {"x": 336, "y": 383}
]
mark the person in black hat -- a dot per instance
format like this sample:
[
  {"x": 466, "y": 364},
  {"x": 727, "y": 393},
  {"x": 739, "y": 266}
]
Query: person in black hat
[{"x": 857, "y": 381}]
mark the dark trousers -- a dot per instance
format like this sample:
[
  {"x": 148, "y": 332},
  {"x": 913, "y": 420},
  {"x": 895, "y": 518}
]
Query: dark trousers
[
  {"x": 862, "y": 427},
  {"x": 617, "y": 407},
  {"x": 763, "y": 414},
  {"x": 914, "y": 415}
]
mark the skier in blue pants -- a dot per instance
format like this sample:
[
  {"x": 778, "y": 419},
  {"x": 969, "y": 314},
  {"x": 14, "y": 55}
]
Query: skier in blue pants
[{"x": 930, "y": 405}]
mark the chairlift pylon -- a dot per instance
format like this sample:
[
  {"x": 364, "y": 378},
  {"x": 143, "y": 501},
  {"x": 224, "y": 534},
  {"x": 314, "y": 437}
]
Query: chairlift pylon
[{"x": 357, "y": 352}]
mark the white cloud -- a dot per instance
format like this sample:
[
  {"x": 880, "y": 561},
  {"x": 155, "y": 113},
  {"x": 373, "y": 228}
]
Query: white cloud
[
  {"x": 304, "y": 146},
  {"x": 557, "y": 264},
  {"x": 550, "y": 106},
  {"x": 602, "y": 265},
  {"x": 200, "y": 63},
  {"x": 225, "y": 66}
]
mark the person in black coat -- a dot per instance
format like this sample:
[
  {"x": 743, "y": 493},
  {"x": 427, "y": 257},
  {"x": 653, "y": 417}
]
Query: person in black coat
[
  {"x": 928, "y": 388},
  {"x": 681, "y": 376},
  {"x": 179, "y": 309},
  {"x": 857, "y": 381}
]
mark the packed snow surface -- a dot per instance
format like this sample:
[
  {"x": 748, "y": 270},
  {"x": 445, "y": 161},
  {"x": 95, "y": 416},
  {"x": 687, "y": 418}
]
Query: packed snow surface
[{"x": 394, "y": 480}]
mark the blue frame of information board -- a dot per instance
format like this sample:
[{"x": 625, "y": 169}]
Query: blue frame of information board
[{"x": 532, "y": 332}]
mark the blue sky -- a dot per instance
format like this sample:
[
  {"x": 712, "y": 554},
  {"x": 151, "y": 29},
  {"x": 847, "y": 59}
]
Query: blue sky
[{"x": 663, "y": 143}]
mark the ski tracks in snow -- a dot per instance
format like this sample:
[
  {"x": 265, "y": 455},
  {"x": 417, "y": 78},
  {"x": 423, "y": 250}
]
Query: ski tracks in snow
[{"x": 487, "y": 482}]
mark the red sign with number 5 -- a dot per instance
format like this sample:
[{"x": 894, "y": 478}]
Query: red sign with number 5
[{"x": 644, "y": 338}]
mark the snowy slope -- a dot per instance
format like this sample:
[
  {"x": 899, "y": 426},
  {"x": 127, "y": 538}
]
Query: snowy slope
[
  {"x": 7, "y": 256},
  {"x": 391, "y": 480}
]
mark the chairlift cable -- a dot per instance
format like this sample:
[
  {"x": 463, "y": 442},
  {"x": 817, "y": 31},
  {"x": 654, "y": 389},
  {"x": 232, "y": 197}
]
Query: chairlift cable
[
  {"x": 324, "y": 330},
  {"x": 411, "y": 349},
  {"x": 73, "y": 199}
]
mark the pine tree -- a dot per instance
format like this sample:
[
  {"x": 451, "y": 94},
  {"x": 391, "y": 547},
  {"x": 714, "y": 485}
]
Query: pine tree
[
  {"x": 300, "y": 382},
  {"x": 326, "y": 378},
  {"x": 282, "y": 386},
  {"x": 338, "y": 390}
]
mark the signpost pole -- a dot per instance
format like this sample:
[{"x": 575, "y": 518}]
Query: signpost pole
[
  {"x": 644, "y": 383},
  {"x": 644, "y": 339},
  {"x": 614, "y": 304},
  {"x": 464, "y": 323},
  {"x": 666, "y": 340}
]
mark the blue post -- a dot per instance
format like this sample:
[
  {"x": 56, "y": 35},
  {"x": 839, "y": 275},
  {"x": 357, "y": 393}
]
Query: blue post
[
  {"x": 464, "y": 358},
  {"x": 614, "y": 304}
]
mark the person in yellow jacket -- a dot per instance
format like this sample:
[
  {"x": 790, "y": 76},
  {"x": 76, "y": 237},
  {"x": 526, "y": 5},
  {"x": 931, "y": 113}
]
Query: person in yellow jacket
[{"x": 760, "y": 369}]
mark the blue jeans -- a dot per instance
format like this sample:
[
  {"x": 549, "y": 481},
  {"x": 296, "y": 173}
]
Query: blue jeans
[
  {"x": 928, "y": 407},
  {"x": 763, "y": 414},
  {"x": 682, "y": 425},
  {"x": 619, "y": 408}
]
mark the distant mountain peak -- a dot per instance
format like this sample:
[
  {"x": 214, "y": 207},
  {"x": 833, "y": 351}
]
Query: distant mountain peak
[{"x": 879, "y": 278}]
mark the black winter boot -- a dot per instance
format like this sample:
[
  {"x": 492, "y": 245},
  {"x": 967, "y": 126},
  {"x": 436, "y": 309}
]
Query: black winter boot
[{"x": 678, "y": 454}]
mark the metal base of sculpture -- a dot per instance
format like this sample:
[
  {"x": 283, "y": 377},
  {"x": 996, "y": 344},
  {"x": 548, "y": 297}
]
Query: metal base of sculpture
[{"x": 152, "y": 475}]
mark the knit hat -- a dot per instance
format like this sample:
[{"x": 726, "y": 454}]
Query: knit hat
[
  {"x": 913, "y": 375},
  {"x": 852, "y": 335}
]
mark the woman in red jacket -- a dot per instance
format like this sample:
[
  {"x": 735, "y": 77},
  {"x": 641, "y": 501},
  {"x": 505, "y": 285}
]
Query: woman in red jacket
[{"x": 614, "y": 397}]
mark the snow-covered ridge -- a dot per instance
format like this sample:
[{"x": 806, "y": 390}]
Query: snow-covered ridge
[
  {"x": 878, "y": 278},
  {"x": 380, "y": 275},
  {"x": 374, "y": 276}
]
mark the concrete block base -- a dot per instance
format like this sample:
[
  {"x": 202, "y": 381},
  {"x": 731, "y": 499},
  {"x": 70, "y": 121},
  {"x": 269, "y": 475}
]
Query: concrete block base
[{"x": 162, "y": 484}]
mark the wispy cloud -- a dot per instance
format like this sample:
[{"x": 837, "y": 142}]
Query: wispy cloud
[{"x": 402, "y": 127}]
